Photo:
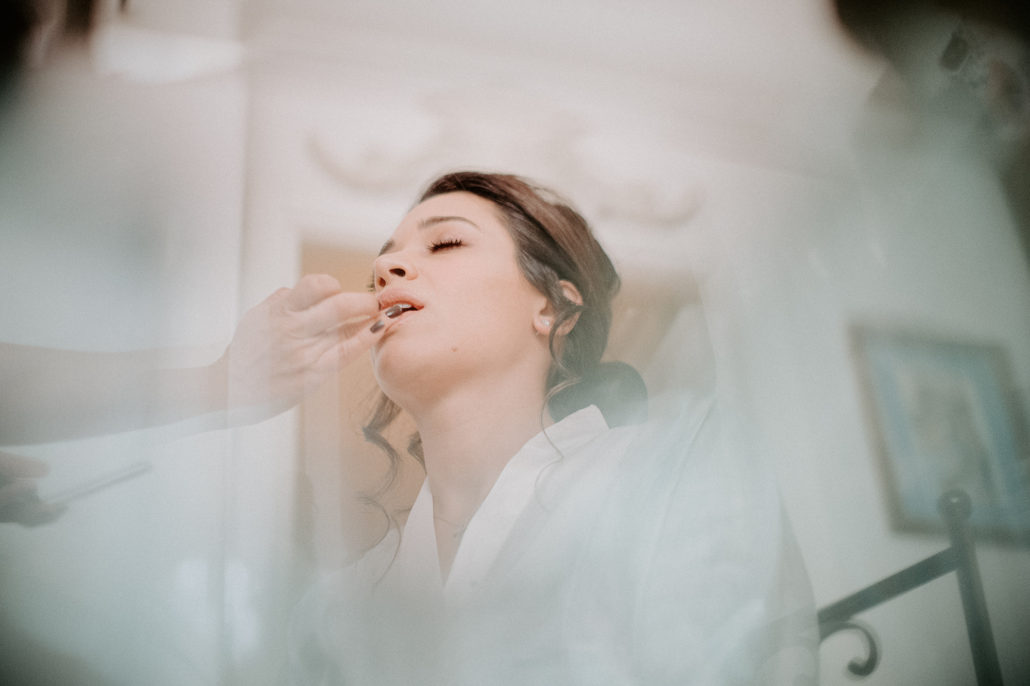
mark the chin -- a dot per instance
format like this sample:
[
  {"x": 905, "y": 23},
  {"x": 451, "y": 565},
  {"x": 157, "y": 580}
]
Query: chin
[
  {"x": 399, "y": 375},
  {"x": 417, "y": 375}
]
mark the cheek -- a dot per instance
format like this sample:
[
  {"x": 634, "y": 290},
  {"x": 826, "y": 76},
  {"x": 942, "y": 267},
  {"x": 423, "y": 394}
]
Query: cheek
[
  {"x": 504, "y": 299},
  {"x": 482, "y": 298},
  {"x": 507, "y": 318}
]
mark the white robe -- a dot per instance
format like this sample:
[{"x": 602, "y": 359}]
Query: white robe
[{"x": 644, "y": 555}]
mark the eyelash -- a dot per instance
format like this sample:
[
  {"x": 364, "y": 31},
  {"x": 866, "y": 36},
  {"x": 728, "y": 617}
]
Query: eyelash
[
  {"x": 435, "y": 246},
  {"x": 445, "y": 244}
]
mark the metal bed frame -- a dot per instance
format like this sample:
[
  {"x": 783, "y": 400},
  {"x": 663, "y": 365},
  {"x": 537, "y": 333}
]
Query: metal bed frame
[{"x": 960, "y": 557}]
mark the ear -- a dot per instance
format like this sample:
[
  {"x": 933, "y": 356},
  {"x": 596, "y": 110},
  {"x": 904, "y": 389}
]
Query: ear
[{"x": 545, "y": 317}]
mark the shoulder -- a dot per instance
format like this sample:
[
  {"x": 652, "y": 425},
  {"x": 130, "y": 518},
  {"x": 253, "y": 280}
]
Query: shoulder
[{"x": 684, "y": 434}]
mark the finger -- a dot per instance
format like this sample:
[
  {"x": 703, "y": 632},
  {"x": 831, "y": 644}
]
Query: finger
[
  {"x": 352, "y": 346},
  {"x": 12, "y": 466},
  {"x": 310, "y": 290},
  {"x": 338, "y": 309}
]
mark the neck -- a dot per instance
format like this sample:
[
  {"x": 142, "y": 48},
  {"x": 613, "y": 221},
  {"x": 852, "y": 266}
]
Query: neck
[{"x": 469, "y": 435}]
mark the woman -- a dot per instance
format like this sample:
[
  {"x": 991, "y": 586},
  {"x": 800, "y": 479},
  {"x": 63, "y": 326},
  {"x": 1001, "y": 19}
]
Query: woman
[{"x": 545, "y": 546}]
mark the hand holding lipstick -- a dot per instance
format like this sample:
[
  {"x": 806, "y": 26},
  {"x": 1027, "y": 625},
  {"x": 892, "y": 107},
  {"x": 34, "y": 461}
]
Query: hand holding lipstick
[
  {"x": 284, "y": 347},
  {"x": 295, "y": 340}
]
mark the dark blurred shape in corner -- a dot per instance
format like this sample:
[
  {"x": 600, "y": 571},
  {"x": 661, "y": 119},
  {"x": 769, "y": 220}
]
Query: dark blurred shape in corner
[
  {"x": 985, "y": 58},
  {"x": 17, "y": 19},
  {"x": 21, "y": 22},
  {"x": 875, "y": 23}
]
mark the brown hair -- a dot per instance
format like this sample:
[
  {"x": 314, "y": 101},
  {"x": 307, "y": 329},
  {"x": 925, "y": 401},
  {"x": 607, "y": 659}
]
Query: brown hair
[{"x": 553, "y": 244}]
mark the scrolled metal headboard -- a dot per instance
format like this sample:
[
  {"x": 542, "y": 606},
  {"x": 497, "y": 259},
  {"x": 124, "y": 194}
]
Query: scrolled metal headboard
[{"x": 960, "y": 557}]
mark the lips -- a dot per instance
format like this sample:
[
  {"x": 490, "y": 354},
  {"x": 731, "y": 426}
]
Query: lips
[
  {"x": 397, "y": 310},
  {"x": 394, "y": 304}
]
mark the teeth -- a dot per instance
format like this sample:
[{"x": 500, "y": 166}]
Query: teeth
[{"x": 395, "y": 310}]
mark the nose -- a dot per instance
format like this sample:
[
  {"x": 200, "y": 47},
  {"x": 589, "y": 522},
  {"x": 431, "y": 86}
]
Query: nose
[{"x": 392, "y": 266}]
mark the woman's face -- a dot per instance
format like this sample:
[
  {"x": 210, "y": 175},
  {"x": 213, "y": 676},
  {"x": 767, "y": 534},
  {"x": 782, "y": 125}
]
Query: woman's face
[{"x": 475, "y": 315}]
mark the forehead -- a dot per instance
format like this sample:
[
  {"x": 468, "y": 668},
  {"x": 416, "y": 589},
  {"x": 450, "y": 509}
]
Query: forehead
[
  {"x": 462, "y": 205},
  {"x": 460, "y": 208}
]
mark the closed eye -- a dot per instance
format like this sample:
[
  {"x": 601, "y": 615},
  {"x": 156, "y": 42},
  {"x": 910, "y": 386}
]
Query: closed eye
[{"x": 445, "y": 244}]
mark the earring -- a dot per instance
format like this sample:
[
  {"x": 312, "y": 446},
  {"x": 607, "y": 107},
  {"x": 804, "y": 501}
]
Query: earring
[{"x": 547, "y": 323}]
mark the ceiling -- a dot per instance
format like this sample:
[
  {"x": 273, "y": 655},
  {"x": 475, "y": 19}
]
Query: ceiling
[{"x": 796, "y": 45}]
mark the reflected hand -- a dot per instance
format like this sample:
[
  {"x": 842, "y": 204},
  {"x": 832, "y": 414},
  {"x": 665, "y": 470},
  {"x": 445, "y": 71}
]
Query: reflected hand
[
  {"x": 295, "y": 340},
  {"x": 19, "y": 502}
]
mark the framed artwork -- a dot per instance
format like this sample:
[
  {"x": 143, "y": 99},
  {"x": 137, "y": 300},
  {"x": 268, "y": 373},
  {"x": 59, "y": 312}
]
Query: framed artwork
[{"x": 944, "y": 415}]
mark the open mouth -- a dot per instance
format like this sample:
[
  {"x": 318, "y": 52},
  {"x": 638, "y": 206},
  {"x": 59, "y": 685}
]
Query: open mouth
[
  {"x": 397, "y": 310},
  {"x": 393, "y": 312}
]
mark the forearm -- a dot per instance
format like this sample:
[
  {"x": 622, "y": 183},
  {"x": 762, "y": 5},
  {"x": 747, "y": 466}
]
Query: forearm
[
  {"x": 282, "y": 348},
  {"x": 53, "y": 395}
]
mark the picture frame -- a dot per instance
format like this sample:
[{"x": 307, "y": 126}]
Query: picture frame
[{"x": 944, "y": 414}]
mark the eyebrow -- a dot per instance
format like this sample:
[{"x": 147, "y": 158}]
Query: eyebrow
[{"x": 430, "y": 222}]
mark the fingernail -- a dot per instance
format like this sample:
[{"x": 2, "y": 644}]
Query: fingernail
[{"x": 377, "y": 326}]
